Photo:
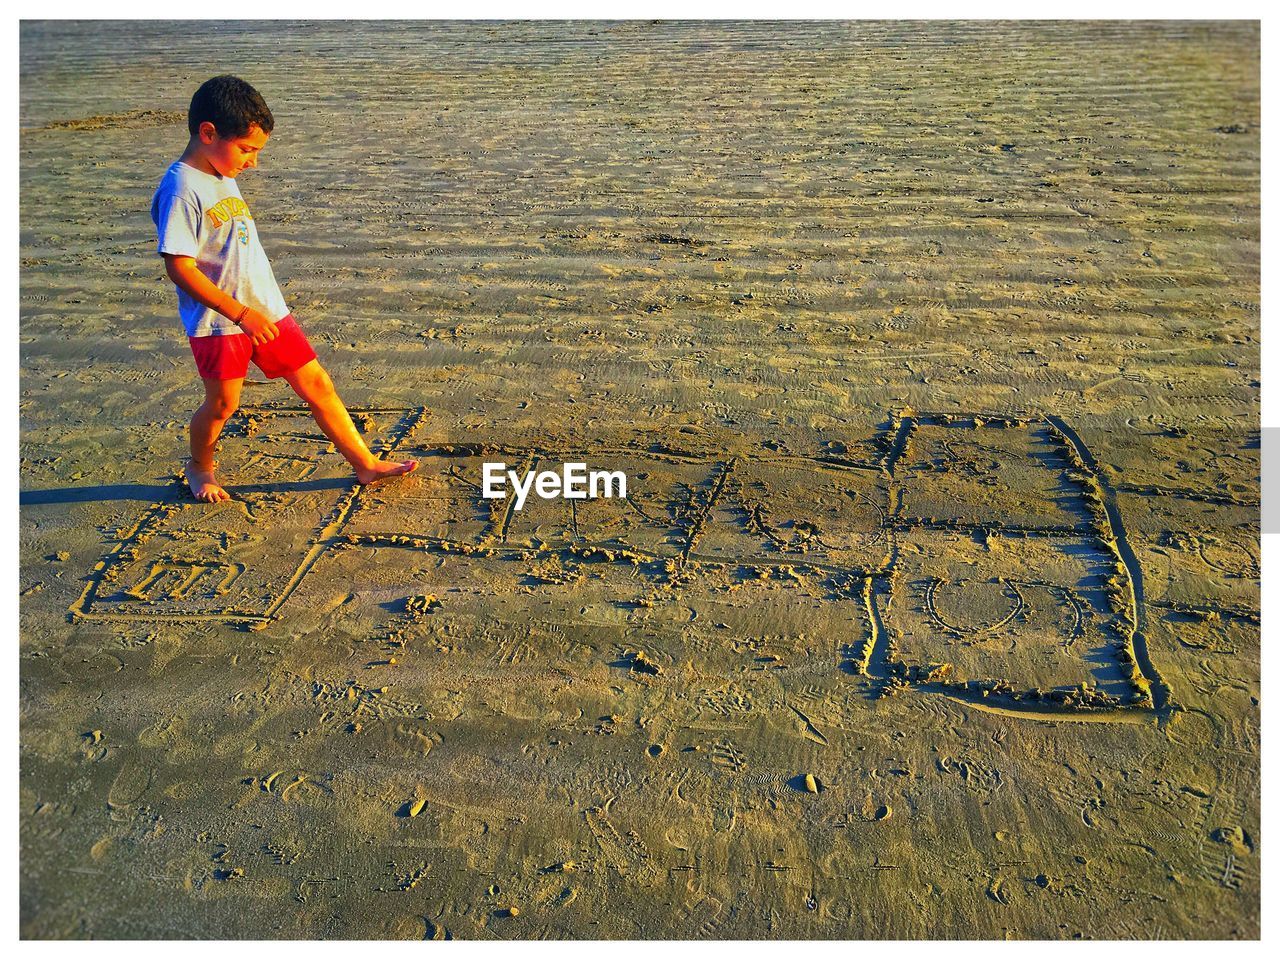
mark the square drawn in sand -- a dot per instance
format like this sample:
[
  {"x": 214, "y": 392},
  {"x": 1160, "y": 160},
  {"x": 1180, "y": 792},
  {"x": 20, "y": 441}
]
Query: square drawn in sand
[
  {"x": 1033, "y": 612},
  {"x": 667, "y": 502},
  {"x": 737, "y": 510},
  {"x": 955, "y": 471},
  {"x": 236, "y": 561},
  {"x": 797, "y": 511},
  {"x": 440, "y": 501}
]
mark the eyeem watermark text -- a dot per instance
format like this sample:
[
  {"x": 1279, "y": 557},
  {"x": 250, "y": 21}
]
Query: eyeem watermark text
[{"x": 573, "y": 482}]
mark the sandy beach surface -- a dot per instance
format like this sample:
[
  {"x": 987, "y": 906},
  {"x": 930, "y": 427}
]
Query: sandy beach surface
[{"x": 930, "y": 352}]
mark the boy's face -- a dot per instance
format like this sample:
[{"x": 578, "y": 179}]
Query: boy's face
[{"x": 231, "y": 155}]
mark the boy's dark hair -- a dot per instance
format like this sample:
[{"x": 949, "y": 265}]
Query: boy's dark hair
[{"x": 231, "y": 105}]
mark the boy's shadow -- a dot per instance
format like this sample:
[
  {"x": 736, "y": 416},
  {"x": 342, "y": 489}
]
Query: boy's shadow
[{"x": 162, "y": 493}]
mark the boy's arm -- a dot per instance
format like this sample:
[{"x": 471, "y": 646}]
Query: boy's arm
[{"x": 187, "y": 276}]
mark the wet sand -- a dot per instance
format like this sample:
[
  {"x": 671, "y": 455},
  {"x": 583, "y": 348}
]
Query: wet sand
[{"x": 931, "y": 353}]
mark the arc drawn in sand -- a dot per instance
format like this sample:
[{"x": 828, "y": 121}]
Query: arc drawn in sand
[{"x": 863, "y": 527}]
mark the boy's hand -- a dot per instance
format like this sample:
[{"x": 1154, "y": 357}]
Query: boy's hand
[
  {"x": 260, "y": 328},
  {"x": 187, "y": 276}
]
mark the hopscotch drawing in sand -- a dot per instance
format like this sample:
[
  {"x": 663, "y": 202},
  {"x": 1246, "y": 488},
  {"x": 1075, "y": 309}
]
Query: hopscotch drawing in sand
[{"x": 980, "y": 557}]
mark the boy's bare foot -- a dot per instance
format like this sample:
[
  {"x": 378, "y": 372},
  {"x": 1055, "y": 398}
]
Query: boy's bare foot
[
  {"x": 382, "y": 469},
  {"x": 203, "y": 485}
]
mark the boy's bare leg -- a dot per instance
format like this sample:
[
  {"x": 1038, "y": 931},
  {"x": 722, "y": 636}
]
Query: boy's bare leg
[
  {"x": 311, "y": 382},
  {"x": 221, "y": 397}
]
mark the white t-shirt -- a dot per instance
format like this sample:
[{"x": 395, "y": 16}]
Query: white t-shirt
[{"x": 202, "y": 215}]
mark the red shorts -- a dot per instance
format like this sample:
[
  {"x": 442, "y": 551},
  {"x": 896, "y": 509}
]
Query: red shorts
[{"x": 227, "y": 357}]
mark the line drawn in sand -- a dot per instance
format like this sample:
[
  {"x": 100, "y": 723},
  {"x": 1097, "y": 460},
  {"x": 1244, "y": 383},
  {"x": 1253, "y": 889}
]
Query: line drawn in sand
[{"x": 1022, "y": 494}]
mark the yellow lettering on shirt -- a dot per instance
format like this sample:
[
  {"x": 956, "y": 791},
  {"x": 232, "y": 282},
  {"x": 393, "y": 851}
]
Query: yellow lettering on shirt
[{"x": 226, "y": 210}]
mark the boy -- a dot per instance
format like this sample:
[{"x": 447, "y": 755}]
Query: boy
[{"x": 230, "y": 304}]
